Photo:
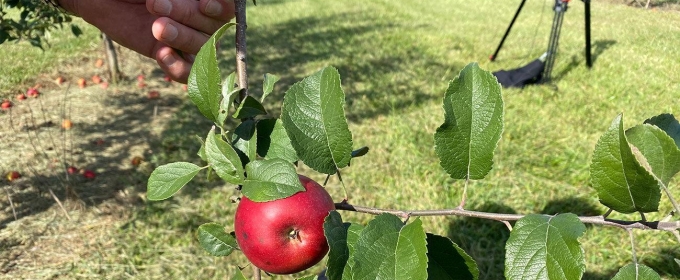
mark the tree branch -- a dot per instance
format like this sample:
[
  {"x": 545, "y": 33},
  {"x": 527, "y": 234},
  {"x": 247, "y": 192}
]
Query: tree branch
[
  {"x": 596, "y": 220},
  {"x": 241, "y": 26}
]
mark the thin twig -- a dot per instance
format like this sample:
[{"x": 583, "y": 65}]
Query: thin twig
[
  {"x": 11, "y": 204},
  {"x": 241, "y": 67},
  {"x": 670, "y": 197},
  {"x": 596, "y": 220},
  {"x": 59, "y": 202},
  {"x": 462, "y": 200}
]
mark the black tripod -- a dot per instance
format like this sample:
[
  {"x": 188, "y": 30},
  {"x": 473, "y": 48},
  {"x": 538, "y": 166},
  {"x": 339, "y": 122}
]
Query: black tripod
[{"x": 539, "y": 71}]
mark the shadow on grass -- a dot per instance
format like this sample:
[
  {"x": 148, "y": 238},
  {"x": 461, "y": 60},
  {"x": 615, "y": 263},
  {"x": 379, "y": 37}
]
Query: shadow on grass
[
  {"x": 483, "y": 240},
  {"x": 375, "y": 77}
]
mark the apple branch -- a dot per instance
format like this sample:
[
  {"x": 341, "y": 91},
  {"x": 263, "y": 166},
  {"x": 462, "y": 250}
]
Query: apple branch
[
  {"x": 595, "y": 220},
  {"x": 241, "y": 67}
]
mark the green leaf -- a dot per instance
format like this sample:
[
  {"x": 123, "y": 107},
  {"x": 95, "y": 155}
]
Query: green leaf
[
  {"x": 76, "y": 30},
  {"x": 239, "y": 275},
  {"x": 661, "y": 156},
  {"x": 622, "y": 184},
  {"x": 215, "y": 240},
  {"x": 308, "y": 277},
  {"x": 473, "y": 110},
  {"x": 336, "y": 235},
  {"x": 448, "y": 261},
  {"x": 229, "y": 92},
  {"x": 545, "y": 247},
  {"x": 669, "y": 124},
  {"x": 268, "y": 85},
  {"x": 203, "y": 85},
  {"x": 314, "y": 119},
  {"x": 244, "y": 140},
  {"x": 636, "y": 271},
  {"x": 353, "y": 234},
  {"x": 249, "y": 108},
  {"x": 273, "y": 141},
  {"x": 223, "y": 159},
  {"x": 270, "y": 179},
  {"x": 167, "y": 179},
  {"x": 388, "y": 249},
  {"x": 201, "y": 150}
]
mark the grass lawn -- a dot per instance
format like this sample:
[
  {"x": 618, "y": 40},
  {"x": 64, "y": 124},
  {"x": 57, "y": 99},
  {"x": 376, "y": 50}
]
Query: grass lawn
[{"x": 395, "y": 58}]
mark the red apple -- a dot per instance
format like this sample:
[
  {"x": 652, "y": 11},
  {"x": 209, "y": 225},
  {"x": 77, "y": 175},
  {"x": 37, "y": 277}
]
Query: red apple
[
  {"x": 32, "y": 92},
  {"x": 284, "y": 236},
  {"x": 154, "y": 94},
  {"x": 140, "y": 78},
  {"x": 6, "y": 105},
  {"x": 89, "y": 174},
  {"x": 82, "y": 83},
  {"x": 136, "y": 160},
  {"x": 104, "y": 85},
  {"x": 13, "y": 175},
  {"x": 99, "y": 63},
  {"x": 21, "y": 97},
  {"x": 72, "y": 170},
  {"x": 167, "y": 79},
  {"x": 96, "y": 79},
  {"x": 59, "y": 80},
  {"x": 184, "y": 87}
]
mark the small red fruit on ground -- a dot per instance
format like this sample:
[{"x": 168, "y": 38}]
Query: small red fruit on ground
[
  {"x": 6, "y": 104},
  {"x": 32, "y": 92},
  {"x": 13, "y": 175},
  {"x": 140, "y": 78},
  {"x": 185, "y": 87},
  {"x": 99, "y": 63},
  {"x": 104, "y": 85},
  {"x": 153, "y": 94},
  {"x": 136, "y": 160},
  {"x": 167, "y": 79},
  {"x": 66, "y": 124},
  {"x": 82, "y": 83},
  {"x": 96, "y": 79},
  {"x": 89, "y": 174},
  {"x": 21, "y": 97},
  {"x": 72, "y": 170},
  {"x": 59, "y": 80},
  {"x": 284, "y": 236}
]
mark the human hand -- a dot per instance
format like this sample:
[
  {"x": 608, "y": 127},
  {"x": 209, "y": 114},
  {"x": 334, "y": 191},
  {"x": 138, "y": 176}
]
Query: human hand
[{"x": 157, "y": 28}]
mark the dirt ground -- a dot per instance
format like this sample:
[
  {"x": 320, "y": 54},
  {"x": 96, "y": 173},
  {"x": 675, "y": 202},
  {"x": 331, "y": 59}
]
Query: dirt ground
[{"x": 49, "y": 210}]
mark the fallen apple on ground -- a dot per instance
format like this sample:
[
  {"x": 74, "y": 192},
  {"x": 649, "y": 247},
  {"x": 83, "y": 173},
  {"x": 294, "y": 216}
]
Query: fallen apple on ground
[
  {"x": 153, "y": 94},
  {"x": 59, "y": 80},
  {"x": 21, "y": 97},
  {"x": 284, "y": 236},
  {"x": 6, "y": 104},
  {"x": 32, "y": 92},
  {"x": 72, "y": 170},
  {"x": 136, "y": 160},
  {"x": 96, "y": 79},
  {"x": 66, "y": 124},
  {"x": 82, "y": 83},
  {"x": 13, "y": 175},
  {"x": 99, "y": 63},
  {"x": 89, "y": 174}
]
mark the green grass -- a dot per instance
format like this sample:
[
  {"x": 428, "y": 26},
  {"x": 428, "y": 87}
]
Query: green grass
[
  {"x": 396, "y": 58},
  {"x": 63, "y": 50}
]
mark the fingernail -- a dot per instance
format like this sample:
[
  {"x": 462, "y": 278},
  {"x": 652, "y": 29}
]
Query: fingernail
[
  {"x": 162, "y": 7},
  {"x": 213, "y": 8},
  {"x": 169, "y": 33},
  {"x": 169, "y": 60}
]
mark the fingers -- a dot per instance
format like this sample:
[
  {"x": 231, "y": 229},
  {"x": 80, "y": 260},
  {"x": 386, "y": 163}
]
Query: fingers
[
  {"x": 177, "y": 35},
  {"x": 174, "y": 65},
  {"x": 204, "y": 16}
]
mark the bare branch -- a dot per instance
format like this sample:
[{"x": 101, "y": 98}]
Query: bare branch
[
  {"x": 241, "y": 67},
  {"x": 596, "y": 220}
]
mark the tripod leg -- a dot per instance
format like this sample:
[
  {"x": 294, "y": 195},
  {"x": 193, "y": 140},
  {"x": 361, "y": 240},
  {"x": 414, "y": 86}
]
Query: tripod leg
[
  {"x": 493, "y": 56},
  {"x": 589, "y": 61},
  {"x": 560, "y": 9}
]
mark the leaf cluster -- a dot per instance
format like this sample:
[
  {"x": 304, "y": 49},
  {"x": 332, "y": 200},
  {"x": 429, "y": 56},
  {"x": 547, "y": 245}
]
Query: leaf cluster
[
  {"x": 629, "y": 170},
  {"x": 35, "y": 19}
]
